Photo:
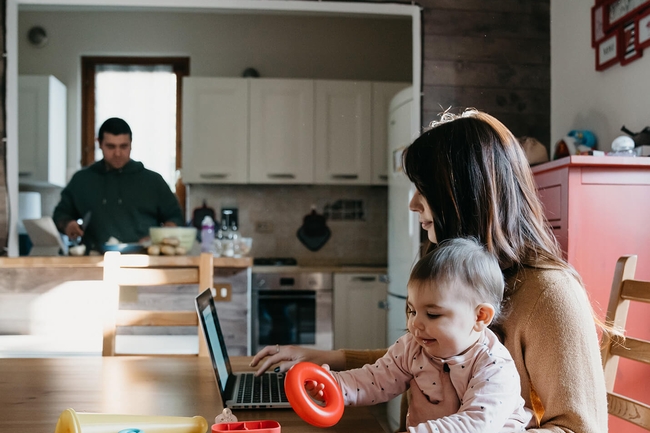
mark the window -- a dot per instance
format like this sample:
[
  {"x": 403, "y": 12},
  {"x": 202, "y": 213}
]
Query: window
[{"x": 146, "y": 92}]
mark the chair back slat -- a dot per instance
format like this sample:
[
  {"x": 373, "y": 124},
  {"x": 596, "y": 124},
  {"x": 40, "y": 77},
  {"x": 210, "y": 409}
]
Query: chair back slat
[
  {"x": 625, "y": 289},
  {"x": 140, "y": 270},
  {"x": 631, "y": 348},
  {"x": 156, "y": 318},
  {"x": 628, "y": 409},
  {"x": 636, "y": 290},
  {"x": 157, "y": 277}
]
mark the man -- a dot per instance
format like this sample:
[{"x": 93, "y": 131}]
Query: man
[{"x": 122, "y": 198}]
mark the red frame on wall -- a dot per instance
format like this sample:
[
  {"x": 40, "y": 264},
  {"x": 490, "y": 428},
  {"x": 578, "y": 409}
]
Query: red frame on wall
[
  {"x": 627, "y": 47},
  {"x": 642, "y": 21},
  {"x": 612, "y": 41},
  {"x": 597, "y": 24},
  {"x": 628, "y": 32},
  {"x": 634, "y": 6}
]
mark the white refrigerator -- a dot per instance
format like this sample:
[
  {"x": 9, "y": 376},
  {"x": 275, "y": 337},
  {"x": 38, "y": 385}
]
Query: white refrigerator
[{"x": 403, "y": 225}]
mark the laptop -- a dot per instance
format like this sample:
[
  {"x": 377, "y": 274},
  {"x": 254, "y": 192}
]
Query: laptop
[{"x": 238, "y": 390}]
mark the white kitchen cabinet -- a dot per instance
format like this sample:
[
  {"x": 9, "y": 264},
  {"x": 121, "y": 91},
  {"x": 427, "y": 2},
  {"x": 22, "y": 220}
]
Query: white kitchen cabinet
[
  {"x": 343, "y": 132},
  {"x": 215, "y": 130},
  {"x": 359, "y": 311},
  {"x": 281, "y": 131},
  {"x": 382, "y": 94},
  {"x": 42, "y": 108}
]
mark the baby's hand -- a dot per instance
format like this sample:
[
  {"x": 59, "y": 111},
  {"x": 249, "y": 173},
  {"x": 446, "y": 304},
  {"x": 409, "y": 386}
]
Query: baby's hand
[{"x": 315, "y": 390}]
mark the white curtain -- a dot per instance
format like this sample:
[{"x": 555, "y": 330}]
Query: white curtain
[{"x": 145, "y": 97}]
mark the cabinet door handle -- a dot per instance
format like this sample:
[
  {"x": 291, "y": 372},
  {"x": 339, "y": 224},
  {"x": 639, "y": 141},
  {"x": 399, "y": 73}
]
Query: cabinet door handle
[
  {"x": 384, "y": 279},
  {"x": 345, "y": 176},
  {"x": 382, "y": 305},
  {"x": 213, "y": 175},
  {"x": 383, "y": 177},
  {"x": 364, "y": 279},
  {"x": 281, "y": 176},
  {"x": 24, "y": 173}
]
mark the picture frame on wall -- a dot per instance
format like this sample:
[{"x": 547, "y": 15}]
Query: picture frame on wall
[
  {"x": 643, "y": 30},
  {"x": 618, "y": 12},
  {"x": 597, "y": 24},
  {"x": 627, "y": 47},
  {"x": 607, "y": 52}
]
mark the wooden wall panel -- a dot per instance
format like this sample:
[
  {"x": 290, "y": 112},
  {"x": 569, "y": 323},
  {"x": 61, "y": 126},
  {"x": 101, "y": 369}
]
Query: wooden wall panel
[
  {"x": 469, "y": 74},
  {"x": 491, "y": 55},
  {"x": 483, "y": 49},
  {"x": 4, "y": 199}
]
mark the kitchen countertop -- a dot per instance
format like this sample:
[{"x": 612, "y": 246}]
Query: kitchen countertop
[
  {"x": 352, "y": 269},
  {"x": 98, "y": 261}
]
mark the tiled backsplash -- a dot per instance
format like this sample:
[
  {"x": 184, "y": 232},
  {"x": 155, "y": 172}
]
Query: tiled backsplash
[{"x": 272, "y": 214}]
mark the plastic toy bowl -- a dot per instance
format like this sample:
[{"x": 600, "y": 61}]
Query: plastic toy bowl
[
  {"x": 186, "y": 235},
  {"x": 265, "y": 426}
]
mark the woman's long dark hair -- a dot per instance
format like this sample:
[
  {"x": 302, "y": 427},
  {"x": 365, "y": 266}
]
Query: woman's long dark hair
[{"x": 474, "y": 175}]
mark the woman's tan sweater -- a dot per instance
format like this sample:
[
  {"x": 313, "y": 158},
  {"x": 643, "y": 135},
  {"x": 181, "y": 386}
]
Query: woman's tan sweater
[{"x": 549, "y": 330}]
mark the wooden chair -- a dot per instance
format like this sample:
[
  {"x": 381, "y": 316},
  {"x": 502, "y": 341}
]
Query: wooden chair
[
  {"x": 624, "y": 290},
  {"x": 142, "y": 270}
]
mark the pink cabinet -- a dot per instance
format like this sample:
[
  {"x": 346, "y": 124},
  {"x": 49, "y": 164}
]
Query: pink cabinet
[{"x": 599, "y": 209}]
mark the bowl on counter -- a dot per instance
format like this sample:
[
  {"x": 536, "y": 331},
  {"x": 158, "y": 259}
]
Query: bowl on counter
[
  {"x": 186, "y": 235},
  {"x": 243, "y": 247},
  {"x": 123, "y": 248},
  {"x": 239, "y": 247}
]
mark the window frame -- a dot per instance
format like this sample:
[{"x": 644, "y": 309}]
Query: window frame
[{"x": 180, "y": 66}]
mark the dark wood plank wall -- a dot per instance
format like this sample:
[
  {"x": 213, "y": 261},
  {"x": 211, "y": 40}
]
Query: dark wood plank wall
[
  {"x": 4, "y": 201},
  {"x": 490, "y": 54}
]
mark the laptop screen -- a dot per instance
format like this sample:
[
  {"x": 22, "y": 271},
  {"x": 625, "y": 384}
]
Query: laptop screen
[{"x": 216, "y": 344}]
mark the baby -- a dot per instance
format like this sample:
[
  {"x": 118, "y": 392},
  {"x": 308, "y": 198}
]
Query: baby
[{"x": 460, "y": 376}]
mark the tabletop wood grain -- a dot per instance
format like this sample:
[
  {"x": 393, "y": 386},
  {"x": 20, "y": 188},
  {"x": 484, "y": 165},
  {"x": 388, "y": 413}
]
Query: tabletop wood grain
[{"x": 34, "y": 392}]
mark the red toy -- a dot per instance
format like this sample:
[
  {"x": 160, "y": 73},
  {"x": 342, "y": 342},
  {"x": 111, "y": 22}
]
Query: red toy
[{"x": 301, "y": 401}]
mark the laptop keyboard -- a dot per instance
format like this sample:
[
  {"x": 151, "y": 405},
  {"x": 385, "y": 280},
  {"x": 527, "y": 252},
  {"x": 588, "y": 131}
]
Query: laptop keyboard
[{"x": 267, "y": 388}]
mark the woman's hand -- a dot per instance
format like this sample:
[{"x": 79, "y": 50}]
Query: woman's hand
[{"x": 287, "y": 356}]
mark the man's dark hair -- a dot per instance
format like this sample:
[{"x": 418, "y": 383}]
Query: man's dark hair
[{"x": 115, "y": 126}]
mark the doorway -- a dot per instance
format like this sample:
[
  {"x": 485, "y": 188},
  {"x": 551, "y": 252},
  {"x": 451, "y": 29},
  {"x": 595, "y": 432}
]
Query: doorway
[{"x": 144, "y": 91}]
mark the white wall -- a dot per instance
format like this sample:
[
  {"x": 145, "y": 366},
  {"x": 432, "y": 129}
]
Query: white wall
[
  {"x": 218, "y": 44},
  {"x": 583, "y": 98}
]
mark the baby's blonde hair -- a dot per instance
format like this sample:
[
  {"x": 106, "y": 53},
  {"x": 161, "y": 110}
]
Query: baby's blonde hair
[{"x": 466, "y": 261}]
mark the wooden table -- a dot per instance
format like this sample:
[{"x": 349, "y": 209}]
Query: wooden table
[{"x": 34, "y": 392}]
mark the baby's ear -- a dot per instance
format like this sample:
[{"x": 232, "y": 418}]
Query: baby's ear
[{"x": 484, "y": 316}]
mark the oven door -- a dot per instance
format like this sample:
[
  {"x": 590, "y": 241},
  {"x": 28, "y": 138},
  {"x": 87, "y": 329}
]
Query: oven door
[{"x": 292, "y": 317}]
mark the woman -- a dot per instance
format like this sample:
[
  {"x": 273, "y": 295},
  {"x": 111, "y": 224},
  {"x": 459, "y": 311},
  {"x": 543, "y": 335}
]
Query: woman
[{"x": 472, "y": 179}]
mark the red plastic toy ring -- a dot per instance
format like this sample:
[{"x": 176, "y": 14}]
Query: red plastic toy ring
[{"x": 302, "y": 403}]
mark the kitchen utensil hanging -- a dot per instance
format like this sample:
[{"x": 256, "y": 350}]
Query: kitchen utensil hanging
[{"x": 314, "y": 233}]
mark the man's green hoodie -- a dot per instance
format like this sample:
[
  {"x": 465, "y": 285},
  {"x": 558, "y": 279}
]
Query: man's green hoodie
[{"x": 123, "y": 203}]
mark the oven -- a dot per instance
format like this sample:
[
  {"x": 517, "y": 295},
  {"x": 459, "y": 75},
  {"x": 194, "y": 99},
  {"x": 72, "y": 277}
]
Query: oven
[{"x": 291, "y": 307}]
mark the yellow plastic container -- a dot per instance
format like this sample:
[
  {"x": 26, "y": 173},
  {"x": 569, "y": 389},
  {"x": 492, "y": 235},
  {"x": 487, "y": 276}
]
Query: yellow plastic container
[{"x": 77, "y": 422}]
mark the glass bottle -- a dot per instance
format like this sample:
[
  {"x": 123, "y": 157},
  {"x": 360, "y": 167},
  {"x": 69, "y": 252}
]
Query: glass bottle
[{"x": 207, "y": 235}]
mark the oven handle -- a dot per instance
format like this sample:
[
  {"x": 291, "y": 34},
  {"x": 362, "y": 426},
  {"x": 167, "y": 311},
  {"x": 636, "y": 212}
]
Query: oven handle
[{"x": 265, "y": 296}]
